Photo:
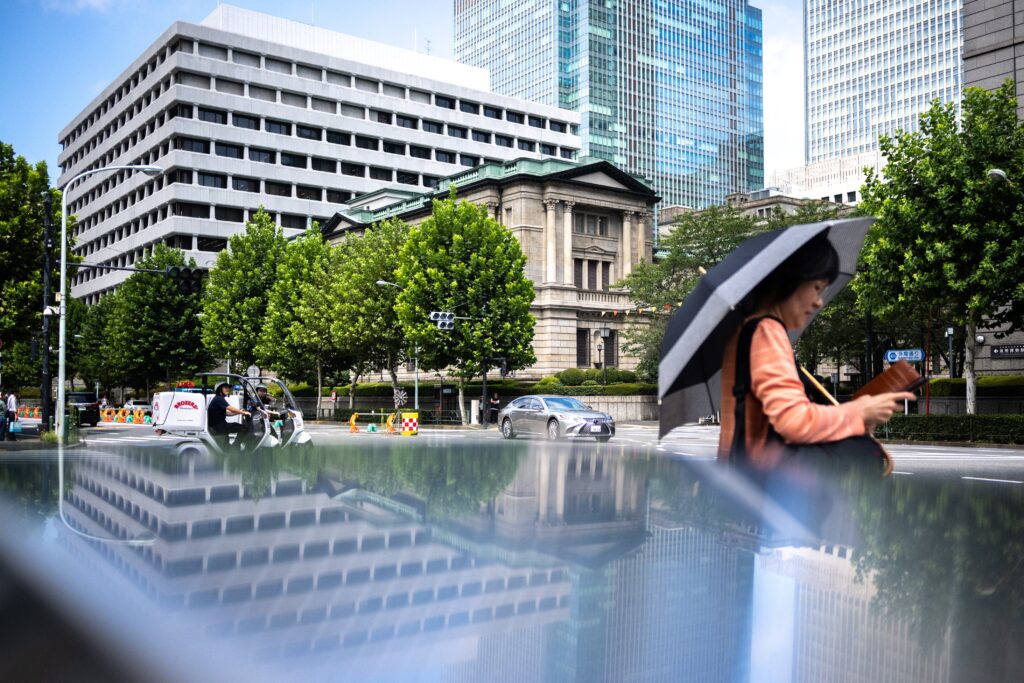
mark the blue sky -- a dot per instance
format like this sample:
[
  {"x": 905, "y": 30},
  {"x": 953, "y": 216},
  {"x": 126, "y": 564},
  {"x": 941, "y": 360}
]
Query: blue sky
[{"x": 57, "y": 55}]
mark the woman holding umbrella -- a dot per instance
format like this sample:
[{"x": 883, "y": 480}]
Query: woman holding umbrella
[{"x": 775, "y": 405}]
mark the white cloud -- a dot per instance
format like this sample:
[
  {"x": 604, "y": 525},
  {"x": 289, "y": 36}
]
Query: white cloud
[{"x": 783, "y": 63}]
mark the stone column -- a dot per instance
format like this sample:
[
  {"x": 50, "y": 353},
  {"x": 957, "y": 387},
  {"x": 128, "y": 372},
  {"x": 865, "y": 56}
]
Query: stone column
[
  {"x": 567, "y": 242},
  {"x": 550, "y": 256},
  {"x": 492, "y": 209},
  {"x": 627, "y": 242},
  {"x": 643, "y": 223},
  {"x": 585, "y": 282}
]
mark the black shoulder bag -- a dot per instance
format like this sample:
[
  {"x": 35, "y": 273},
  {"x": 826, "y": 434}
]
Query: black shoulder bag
[{"x": 853, "y": 451}]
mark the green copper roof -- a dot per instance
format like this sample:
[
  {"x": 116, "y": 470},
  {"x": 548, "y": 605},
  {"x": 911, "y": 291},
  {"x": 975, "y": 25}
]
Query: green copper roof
[{"x": 490, "y": 171}]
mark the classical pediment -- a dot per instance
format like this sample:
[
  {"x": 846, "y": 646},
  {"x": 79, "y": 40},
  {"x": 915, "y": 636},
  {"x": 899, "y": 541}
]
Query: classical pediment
[{"x": 602, "y": 179}]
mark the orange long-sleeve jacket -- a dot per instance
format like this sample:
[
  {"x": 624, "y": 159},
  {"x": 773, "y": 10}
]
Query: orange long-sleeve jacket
[{"x": 777, "y": 398}]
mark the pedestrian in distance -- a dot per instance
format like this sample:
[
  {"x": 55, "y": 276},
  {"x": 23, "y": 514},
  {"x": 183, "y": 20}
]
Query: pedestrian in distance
[
  {"x": 3, "y": 415},
  {"x": 495, "y": 406},
  {"x": 12, "y": 412},
  {"x": 777, "y": 408}
]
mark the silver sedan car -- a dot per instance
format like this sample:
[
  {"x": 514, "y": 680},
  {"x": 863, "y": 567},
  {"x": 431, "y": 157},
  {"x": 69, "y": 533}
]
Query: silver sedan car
[{"x": 555, "y": 417}]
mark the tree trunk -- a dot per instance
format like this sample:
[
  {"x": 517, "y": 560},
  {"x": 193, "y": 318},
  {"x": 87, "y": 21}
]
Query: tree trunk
[
  {"x": 352, "y": 390},
  {"x": 970, "y": 346},
  {"x": 462, "y": 401},
  {"x": 319, "y": 386},
  {"x": 394, "y": 378}
]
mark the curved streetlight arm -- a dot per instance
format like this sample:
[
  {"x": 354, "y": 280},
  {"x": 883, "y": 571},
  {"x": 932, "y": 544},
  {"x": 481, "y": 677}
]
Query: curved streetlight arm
[{"x": 62, "y": 331}]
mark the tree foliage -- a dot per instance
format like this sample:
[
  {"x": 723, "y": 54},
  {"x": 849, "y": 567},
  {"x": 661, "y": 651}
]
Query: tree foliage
[
  {"x": 153, "y": 330},
  {"x": 462, "y": 260},
  {"x": 949, "y": 241},
  {"x": 299, "y": 336},
  {"x": 237, "y": 292},
  {"x": 698, "y": 240},
  {"x": 23, "y": 191},
  {"x": 367, "y": 324}
]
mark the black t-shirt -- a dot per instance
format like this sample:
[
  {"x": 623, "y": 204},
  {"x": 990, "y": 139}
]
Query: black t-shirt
[{"x": 217, "y": 413}]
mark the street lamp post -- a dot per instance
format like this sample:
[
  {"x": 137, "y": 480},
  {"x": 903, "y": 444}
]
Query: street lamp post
[
  {"x": 62, "y": 330},
  {"x": 603, "y": 365}
]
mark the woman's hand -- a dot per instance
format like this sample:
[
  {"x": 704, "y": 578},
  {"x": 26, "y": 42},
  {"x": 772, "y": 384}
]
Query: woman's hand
[{"x": 876, "y": 410}]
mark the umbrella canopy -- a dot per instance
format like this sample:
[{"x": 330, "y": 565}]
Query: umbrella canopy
[{"x": 689, "y": 373}]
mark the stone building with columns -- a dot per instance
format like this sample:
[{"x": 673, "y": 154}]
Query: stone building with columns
[{"x": 583, "y": 226}]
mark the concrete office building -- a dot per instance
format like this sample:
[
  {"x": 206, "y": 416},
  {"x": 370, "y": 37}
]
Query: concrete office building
[
  {"x": 872, "y": 68},
  {"x": 246, "y": 109},
  {"x": 994, "y": 44},
  {"x": 869, "y": 70},
  {"x": 670, "y": 91}
]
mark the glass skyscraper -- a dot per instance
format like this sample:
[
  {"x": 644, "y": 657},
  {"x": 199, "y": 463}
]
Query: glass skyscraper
[
  {"x": 872, "y": 67},
  {"x": 667, "y": 89}
]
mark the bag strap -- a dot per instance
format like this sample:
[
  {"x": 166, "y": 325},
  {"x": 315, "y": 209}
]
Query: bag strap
[{"x": 741, "y": 387}]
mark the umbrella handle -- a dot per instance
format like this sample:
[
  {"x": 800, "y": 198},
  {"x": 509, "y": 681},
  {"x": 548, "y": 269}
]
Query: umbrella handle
[
  {"x": 887, "y": 468},
  {"x": 817, "y": 385}
]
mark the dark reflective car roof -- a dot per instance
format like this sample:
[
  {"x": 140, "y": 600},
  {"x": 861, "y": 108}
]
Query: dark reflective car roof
[{"x": 395, "y": 561}]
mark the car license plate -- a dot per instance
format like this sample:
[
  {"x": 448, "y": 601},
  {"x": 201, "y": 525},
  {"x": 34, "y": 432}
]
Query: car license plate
[{"x": 595, "y": 428}]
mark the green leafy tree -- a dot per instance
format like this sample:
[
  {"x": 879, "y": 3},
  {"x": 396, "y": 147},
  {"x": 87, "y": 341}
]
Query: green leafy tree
[
  {"x": 23, "y": 191},
  {"x": 299, "y": 333},
  {"x": 153, "y": 331},
  {"x": 697, "y": 241},
  {"x": 949, "y": 241},
  {"x": 237, "y": 293},
  {"x": 367, "y": 323},
  {"x": 462, "y": 260},
  {"x": 94, "y": 362}
]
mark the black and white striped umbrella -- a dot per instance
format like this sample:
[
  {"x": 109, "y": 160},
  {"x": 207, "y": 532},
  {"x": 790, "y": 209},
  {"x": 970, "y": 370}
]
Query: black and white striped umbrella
[{"x": 689, "y": 373}]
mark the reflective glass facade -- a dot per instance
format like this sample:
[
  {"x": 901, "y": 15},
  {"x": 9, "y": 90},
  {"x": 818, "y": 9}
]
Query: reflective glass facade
[
  {"x": 872, "y": 67},
  {"x": 667, "y": 89}
]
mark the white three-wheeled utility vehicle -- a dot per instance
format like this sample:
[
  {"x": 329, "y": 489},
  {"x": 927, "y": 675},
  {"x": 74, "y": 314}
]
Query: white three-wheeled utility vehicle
[{"x": 272, "y": 423}]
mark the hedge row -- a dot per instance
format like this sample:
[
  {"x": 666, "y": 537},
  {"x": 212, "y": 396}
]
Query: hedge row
[
  {"x": 505, "y": 388},
  {"x": 988, "y": 386},
  {"x": 980, "y": 428}
]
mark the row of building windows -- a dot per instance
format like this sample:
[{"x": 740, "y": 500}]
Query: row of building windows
[
  {"x": 370, "y": 85},
  {"x": 380, "y": 633},
  {"x": 305, "y": 71},
  {"x": 309, "y": 132}
]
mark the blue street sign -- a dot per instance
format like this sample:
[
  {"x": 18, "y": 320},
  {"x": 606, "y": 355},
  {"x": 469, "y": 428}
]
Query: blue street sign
[{"x": 909, "y": 355}]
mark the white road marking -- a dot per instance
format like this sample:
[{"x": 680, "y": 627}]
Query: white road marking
[{"x": 1000, "y": 481}]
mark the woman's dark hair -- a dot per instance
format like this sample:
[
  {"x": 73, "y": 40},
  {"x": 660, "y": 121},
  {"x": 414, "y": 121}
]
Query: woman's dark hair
[{"x": 816, "y": 260}]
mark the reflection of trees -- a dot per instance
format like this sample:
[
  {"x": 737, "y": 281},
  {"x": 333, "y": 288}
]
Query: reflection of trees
[
  {"x": 948, "y": 555},
  {"x": 451, "y": 481},
  {"x": 455, "y": 481},
  {"x": 31, "y": 487}
]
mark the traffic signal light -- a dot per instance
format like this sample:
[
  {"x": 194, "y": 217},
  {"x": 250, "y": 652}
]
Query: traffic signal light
[
  {"x": 189, "y": 280},
  {"x": 445, "y": 320}
]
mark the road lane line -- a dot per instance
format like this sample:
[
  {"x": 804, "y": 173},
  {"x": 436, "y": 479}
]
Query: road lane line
[
  {"x": 898, "y": 472},
  {"x": 1001, "y": 481}
]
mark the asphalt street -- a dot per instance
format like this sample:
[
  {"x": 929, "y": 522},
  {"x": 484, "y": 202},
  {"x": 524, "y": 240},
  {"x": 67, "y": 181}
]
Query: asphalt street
[{"x": 982, "y": 464}]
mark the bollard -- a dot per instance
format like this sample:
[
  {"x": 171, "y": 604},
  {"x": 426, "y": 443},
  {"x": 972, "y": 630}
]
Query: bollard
[{"x": 410, "y": 424}]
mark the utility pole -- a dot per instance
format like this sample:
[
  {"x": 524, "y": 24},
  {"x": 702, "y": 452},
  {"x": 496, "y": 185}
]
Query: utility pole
[{"x": 46, "y": 383}]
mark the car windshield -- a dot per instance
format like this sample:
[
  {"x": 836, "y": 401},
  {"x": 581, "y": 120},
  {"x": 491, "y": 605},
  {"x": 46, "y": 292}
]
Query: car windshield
[{"x": 564, "y": 403}]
